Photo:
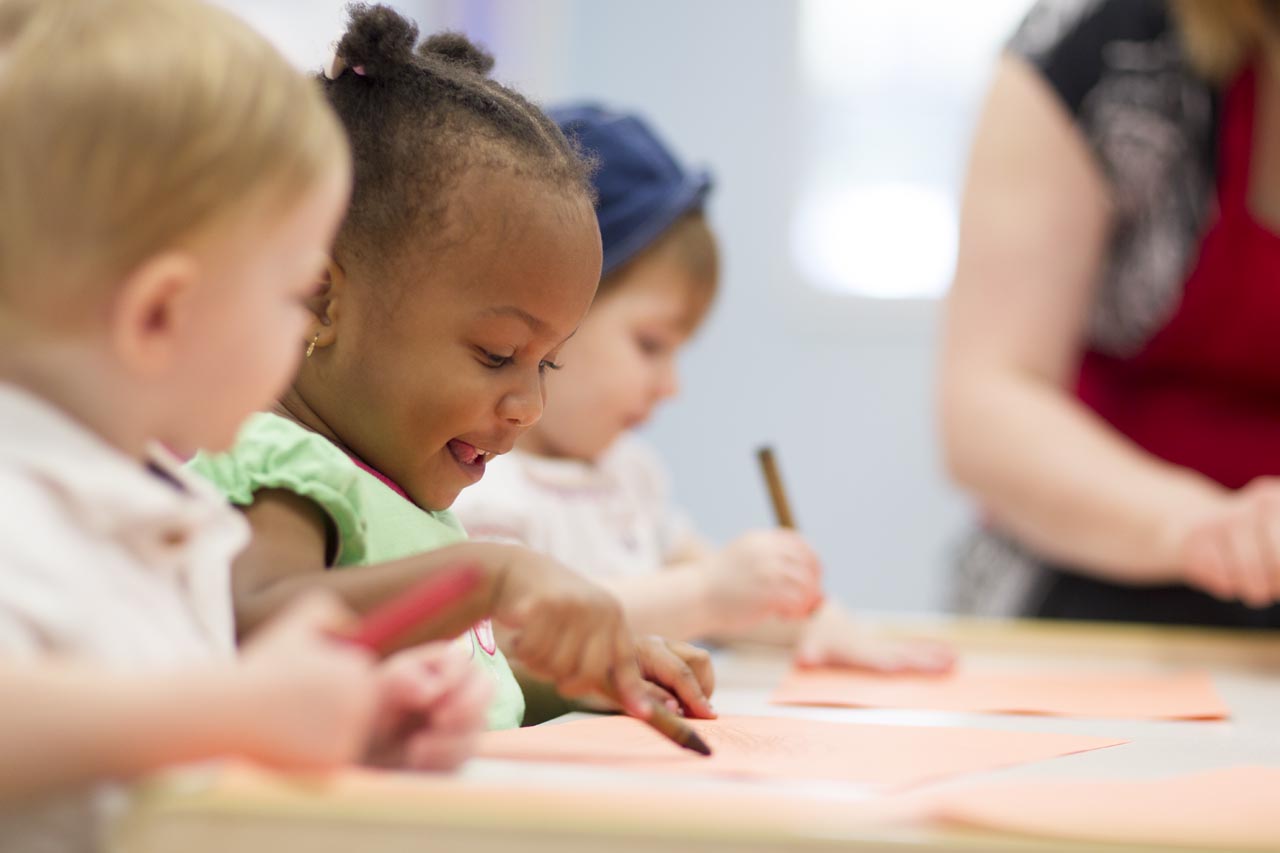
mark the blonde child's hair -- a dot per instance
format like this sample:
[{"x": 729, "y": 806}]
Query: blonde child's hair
[
  {"x": 131, "y": 126},
  {"x": 689, "y": 242},
  {"x": 1222, "y": 35}
]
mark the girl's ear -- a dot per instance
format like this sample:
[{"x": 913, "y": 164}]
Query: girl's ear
[{"x": 326, "y": 305}]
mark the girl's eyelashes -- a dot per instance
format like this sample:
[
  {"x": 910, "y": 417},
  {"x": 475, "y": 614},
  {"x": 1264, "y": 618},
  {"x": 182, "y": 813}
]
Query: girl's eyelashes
[{"x": 493, "y": 360}]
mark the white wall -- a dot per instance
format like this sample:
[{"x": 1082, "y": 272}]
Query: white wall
[{"x": 842, "y": 388}]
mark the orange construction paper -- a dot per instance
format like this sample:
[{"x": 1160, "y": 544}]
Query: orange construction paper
[
  {"x": 1231, "y": 808},
  {"x": 1172, "y": 696},
  {"x": 787, "y": 748},
  {"x": 379, "y": 795}
]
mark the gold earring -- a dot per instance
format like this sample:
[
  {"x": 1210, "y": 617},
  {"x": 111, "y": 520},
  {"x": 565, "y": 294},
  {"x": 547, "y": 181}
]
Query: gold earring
[{"x": 311, "y": 347}]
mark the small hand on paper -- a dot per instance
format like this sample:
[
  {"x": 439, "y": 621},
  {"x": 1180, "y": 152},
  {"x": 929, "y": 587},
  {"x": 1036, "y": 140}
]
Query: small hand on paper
[{"x": 832, "y": 638}]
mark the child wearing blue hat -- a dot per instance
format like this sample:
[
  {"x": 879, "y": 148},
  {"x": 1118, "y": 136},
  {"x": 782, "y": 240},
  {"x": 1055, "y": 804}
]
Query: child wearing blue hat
[{"x": 581, "y": 487}]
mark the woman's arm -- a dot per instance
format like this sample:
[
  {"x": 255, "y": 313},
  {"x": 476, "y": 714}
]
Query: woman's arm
[
  {"x": 1035, "y": 223},
  {"x": 675, "y": 602}
]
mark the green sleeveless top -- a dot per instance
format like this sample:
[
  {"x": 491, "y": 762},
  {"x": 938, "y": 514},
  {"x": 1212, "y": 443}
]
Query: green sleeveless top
[{"x": 374, "y": 523}]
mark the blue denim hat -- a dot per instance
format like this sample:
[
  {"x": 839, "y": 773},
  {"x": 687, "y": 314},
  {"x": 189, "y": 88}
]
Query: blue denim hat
[{"x": 640, "y": 188}]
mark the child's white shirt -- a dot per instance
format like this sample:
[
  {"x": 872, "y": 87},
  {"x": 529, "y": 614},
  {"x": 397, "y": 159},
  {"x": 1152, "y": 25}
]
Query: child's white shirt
[
  {"x": 610, "y": 519},
  {"x": 104, "y": 560}
]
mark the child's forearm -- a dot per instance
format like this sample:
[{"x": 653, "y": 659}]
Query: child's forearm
[
  {"x": 672, "y": 603},
  {"x": 774, "y": 631},
  {"x": 65, "y": 726},
  {"x": 365, "y": 587},
  {"x": 287, "y": 556}
]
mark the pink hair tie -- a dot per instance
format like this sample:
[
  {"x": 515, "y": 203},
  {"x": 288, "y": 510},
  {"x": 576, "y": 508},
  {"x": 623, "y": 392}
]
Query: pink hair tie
[{"x": 358, "y": 69}]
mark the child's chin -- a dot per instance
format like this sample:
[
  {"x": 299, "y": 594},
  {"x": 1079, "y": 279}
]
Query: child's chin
[
  {"x": 602, "y": 446},
  {"x": 439, "y": 500}
]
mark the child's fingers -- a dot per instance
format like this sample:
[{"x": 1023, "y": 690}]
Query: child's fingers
[
  {"x": 663, "y": 666},
  {"x": 795, "y": 597},
  {"x": 802, "y": 576},
  {"x": 458, "y": 710},
  {"x": 565, "y": 661},
  {"x": 884, "y": 657},
  {"x": 807, "y": 656},
  {"x": 532, "y": 647},
  {"x": 419, "y": 676},
  {"x": 624, "y": 680},
  {"x": 798, "y": 551},
  {"x": 592, "y": 676},
  {"x": 461, "y": 711},
  {"x": 450, "y": 665},
  {"x": 800, "y": 554},
  {"x": 891, "y": 659},
  {"x": 933, "y": 658},
  {"x": 659, "y": 695},
  {"x": 401, "y": 688},
  {"x": 466, "y": 707},
  {"x": 870, "y": 659},
  {"x": 699, "y": 661}
]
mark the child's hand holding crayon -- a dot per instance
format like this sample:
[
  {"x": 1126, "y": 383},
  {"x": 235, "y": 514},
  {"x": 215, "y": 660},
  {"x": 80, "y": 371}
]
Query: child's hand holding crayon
[
  {"x": 569, "y": 631},
  {"x": 572, "y": 633},
  {"x": 311, "y": 701},
  {"x": 762, "y": 574},
  {"x": 434, "y": 708},
  {"x": 678, "y": 675}
]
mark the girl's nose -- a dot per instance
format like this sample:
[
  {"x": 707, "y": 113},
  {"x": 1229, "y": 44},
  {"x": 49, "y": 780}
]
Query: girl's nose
[{"x": 522, "y": 406}]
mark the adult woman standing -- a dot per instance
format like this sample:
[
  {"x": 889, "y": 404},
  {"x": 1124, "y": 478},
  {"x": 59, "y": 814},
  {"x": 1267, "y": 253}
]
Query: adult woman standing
[{"x": 1111, "y": 371}]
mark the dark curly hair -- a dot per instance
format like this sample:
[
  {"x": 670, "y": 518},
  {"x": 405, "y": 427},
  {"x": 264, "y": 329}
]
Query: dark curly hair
[{"x": 417, "y": 118}]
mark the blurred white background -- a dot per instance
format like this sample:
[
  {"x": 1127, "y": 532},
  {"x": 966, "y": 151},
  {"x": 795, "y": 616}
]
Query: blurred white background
[{"x": 837, "y": 132}]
